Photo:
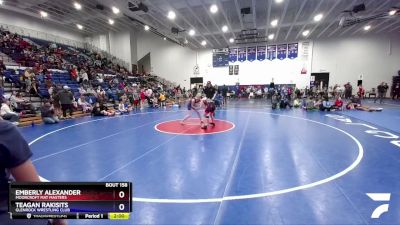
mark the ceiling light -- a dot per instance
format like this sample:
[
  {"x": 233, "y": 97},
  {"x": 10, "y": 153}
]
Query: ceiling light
[
  {"x": 43, "y": 14},
  {"x": 213, "y": 8},
  {"x": 231, "y": 40},
  {"x": 111, "y": 21},
  {"x": 146, "y": 27},
  {"x": 192, "y": 32},
  {"x": 392, "y": 12},
  {"x": 77, "y": 6},
  {"x": 306, "y": 33},
  {"x": 274, "y": 22},
  {"x": 271, "y": 36},
  {"x": 203, "y": 43},
  {"x": 165, "y": 38},
  {"x": 1, "y": 2},
  {"x": 318, "y": 17},
  {"x": 224, "y": 28},
  {"x": 171, "y": 15},
  {"x": 186, "y": 41},
  {"x": 80, "y": 27},
  {"x": 115, "y": 10},
  {"x": 367, "y": 27},
  {"x": 278, "y": 1}
]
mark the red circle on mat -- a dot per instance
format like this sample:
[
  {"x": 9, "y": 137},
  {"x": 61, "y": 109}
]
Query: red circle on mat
[{"x": 192, "y": 127}]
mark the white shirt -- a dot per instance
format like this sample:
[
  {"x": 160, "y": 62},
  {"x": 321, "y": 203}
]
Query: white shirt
[
  {"x": 149, "y": 92},
  {"x": 84, "y": 76},
  {"x": 5, "y": 109},
  {"x": 80, "y": 102},
  {"x": 121, "y": 107}
]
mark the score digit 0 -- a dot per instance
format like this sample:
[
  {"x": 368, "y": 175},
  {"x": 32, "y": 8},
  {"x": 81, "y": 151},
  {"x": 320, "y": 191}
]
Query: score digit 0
[
  {"x": 121, "y": 207},
  {"x": 121, "y": 194}
]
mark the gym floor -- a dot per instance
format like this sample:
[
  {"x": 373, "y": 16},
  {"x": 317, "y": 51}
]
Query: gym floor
[{"x": 256, "y": 166}]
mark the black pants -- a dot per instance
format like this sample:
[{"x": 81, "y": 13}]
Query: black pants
[
  {"x": 65, "y": 107},
  {"x": 11, "y": 117},
  {"x": 381, "y": 96},
  {"x": 347, "y": 94},
  {"x": 322, "y": 108}
]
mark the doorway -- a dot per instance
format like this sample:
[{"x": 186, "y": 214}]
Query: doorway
[{"x": 321, "y": 80}]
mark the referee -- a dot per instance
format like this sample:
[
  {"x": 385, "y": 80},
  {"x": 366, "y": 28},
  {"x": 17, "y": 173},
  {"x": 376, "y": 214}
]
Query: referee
[{"x": 210, "y": 91}]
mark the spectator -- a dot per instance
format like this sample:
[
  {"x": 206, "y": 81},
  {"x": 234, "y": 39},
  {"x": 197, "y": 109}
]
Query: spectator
[
  {"x": 297, "y": 92},
  {"x": 74, "y": 74},
  {"x": 355, "y": 103},
  {"x": 135, "y": 100},
  {"x": 338, "y": 104},
  {"x": 101, "y": 110},
  {"x": 18, "y": 103},
  {"x": 1, "y": 93},
  {"x": 154, "y": 102},
  {"x": 48, "y": 114},
  {"x": 296, "y": 103},
  {"x": 86, "y": 106},
  {"x": 28, "y": 80},
  {"x": 274, "y": 101},
  {"x": 178, "y": 95},
  {"x": 142, "y": 98},
  {"x": 162, "y": 99},
  {"x": 7, "y": 114},
  {"x": 284, "y": 103},
  {"x": 348, "y": 89},
  {"x": 386, "y": 88},
  {"x": 81, "y": 90},
  {"x": 218, "y": 100},
  {"x": 355, "y": 99},
  {"x": 83, "y": 76},
  {"x": 361, "y": 91},
  {"x": 309, "y": 103},
  {"x": 50, "y": 90},
  {"x": 2, "y": 67},
  {"x": 149, "y": 93},
  {"x": 396, "y": 91},
  {"x": 123, "y": 107},
  {"x": 382, "y": 88},
  {"x": 326, "y": 105},
  {"x": 66, "y": 98}
]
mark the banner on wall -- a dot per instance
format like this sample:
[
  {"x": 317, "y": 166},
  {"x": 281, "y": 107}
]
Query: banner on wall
[
  {"x": 293, "y": 50},
  {"x": 233, "y": 55},
  {"x": 231, "y": 70},
  {"x": 236, "y": 70},
  {"x": 241, "y": 54},
  {"x": 220, "y": 57},
  {"x": 282, "y": 51},
  {"x": 251, "y": 54},
  {"x": 306, "y": 48},
  {"x": 261, "y": 53},
  {"x": 271, "y": 52}
]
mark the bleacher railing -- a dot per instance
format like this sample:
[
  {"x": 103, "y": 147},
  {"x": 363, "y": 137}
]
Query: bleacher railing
[{"x": 61, "y": 40}]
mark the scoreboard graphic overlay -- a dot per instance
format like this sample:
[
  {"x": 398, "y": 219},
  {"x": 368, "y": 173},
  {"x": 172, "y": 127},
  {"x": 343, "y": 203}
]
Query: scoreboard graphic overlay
[{"x": 76, "y": 200}]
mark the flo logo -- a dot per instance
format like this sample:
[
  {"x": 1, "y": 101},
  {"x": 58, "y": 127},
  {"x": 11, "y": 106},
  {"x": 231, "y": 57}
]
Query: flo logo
[{"x": 381, "y": 209}]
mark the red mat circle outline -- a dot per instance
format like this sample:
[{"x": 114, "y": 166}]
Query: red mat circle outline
[{"x": 192, "y": 127}]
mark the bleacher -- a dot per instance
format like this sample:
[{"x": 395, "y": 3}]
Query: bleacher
[{"x": 71, "y": 56}]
